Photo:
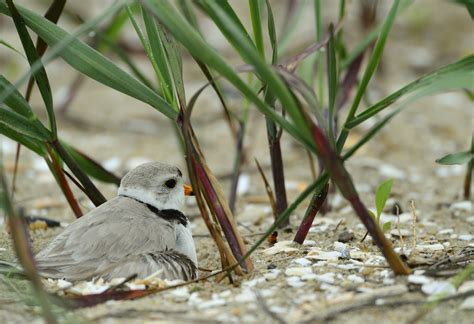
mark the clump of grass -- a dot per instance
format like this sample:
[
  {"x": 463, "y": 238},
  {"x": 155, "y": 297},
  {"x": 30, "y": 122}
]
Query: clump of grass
[{"x": 292, "y": 94}]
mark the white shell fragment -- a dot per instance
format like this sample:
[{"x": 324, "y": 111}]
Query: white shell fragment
[
  {"x": 279, "y": 247},
  {"x": 272, "y": 274},
  {"x": 437, "y": 289},
  {"x": 419, "y": 279},
  {"x": 299, "y": 271},
  {"x": 302, "y": 262},
  {"x": 430, "y": 247},
  {"x": 243, "y": 186},
  {"x": 318, "y": 254}
]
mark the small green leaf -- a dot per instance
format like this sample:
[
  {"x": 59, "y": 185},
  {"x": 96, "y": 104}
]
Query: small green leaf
[
  {"x": 456, "y": 158},
  {"x": 386, "y": 227},
  {"x": 382, "y": 194}
]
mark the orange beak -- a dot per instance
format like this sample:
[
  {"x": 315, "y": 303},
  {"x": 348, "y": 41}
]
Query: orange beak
[{"x": 188, "y": 190}]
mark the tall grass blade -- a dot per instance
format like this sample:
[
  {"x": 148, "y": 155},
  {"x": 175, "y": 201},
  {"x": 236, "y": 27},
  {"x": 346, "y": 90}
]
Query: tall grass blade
[
  {"x": 256, "y": 18},
  {"x": 24, "y": 126},
  {"x": 23, "y": 250},
  {"x": 191, "y": 39},
  {"x": 247, "y": 50},
  {"x": 457, "y": 75},
  {"x": 87, "y": 60},
  {"x": 369, "y": 71},
  {"x": 40, "y": 76}
]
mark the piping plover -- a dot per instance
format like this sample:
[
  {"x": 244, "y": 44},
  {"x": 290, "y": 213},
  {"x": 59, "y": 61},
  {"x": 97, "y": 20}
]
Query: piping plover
[{"x": 141, "y": 231}]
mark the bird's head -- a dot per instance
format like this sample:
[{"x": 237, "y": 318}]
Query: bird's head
[{"x": 158, "y": 184}]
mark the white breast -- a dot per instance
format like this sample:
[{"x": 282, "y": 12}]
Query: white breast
[{"x": 185, "y": 242}]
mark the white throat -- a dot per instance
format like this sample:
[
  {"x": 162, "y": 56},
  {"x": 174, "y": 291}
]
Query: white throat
[{"x": 171, "y": 201}]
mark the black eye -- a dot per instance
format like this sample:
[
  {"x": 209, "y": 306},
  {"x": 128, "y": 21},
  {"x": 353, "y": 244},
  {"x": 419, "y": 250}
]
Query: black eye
[{"x": 171, "y": 183}]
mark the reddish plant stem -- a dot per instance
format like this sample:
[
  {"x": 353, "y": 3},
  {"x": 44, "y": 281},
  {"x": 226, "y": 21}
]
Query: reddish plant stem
[
  {"x": 340, "y": 176},
  {"x": 468, "y": 180},
  {"x": 278, "y": 176},
  {"x": 314, "y": 206},
  {"x": 63, "y": 184},
  {"x": 212, "y": 198}
]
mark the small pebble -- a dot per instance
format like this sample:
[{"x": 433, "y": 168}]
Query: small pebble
[
  {"x": 345, "y": 236},
  {"x": 430, "y": 247},
  {"x": 468, "y": 303},
  {"x": 302, "y": 262},
  {"x": 465, "y": 237},
  {"x": 342, "y": 249},
  {"x": 465, "y": 205},
  {"x": 294, "y": 282},
  {"x": 355, "y": 279},
  {"x": 323, "y": 255},
  {"x": 446, "y": 231}
]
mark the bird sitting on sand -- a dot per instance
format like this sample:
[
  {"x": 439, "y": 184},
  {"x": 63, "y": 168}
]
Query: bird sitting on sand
[{"x": 141, "y": 231}]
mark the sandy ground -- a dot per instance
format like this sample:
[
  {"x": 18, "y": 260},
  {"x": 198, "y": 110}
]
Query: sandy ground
[{"x": 121, "y": 133}]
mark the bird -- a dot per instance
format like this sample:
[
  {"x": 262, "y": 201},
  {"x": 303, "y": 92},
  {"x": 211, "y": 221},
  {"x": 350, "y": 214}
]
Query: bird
[{"x": 141, "y": 232}]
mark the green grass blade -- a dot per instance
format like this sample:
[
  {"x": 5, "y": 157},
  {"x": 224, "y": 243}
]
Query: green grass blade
[
  {"x": 90, "y": 166},
  {"x": 23, "y": 125},
  {"x": 245, "y": 47},
  {"x": 371, "y": 36},
  {"x": 369, "y": 71},
  {"x": 9, "y": 46},
  {"x": 332, "y": 81},
  {"x": 191, "y": 39},
  {"x": 186, "y": 9},
  {"x": 29, "y": 142},
  {"x": 87, "y": 60},
  {"x": 319, "y": 56},
  {"x": 457, "y": 75},
  {"x": 272, "y": 33},
  {"x": 40, "y": 76},
  {"x": 370, "y": 134},
  {"x": 456, "y": 158},
  {"x": 257, "y": 26},
  {"x": 175, "y": 63},
  {"x": 158, "y": 57},
  {"x": 15, "y": 100}
]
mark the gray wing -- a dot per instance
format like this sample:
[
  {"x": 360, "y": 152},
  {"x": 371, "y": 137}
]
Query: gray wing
[
  {"x": 121, "y": 229},
  {"x": 169, "y": 265}
]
